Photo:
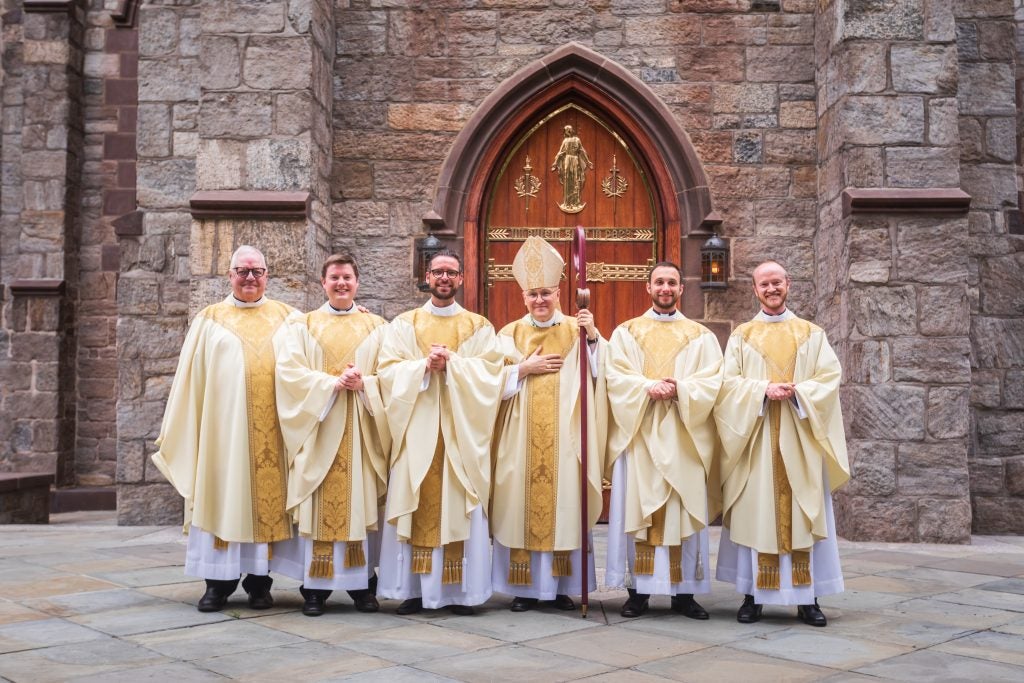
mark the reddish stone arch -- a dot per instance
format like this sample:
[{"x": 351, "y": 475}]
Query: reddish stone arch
[{"x": 570, "y": 73}]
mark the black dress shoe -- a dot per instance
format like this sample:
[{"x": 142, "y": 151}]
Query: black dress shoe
[
  {"x": 258, "y": 588},
  {"x": 749, "y": 611},
  {"x": 562, "y": 602},
  {"x": 461, "y": 610},
  {"x": 212, "y": 601},
  {"x": 522, "y": 604},
  {"x": 364, "y": 600},
  {"x": 635, "y": 606},
  {"x": 684, "y": 604},
  {"x": 314, "y": 604},
  {"x": 410, "y": 606},
  {"x": 811, "y": 614}
]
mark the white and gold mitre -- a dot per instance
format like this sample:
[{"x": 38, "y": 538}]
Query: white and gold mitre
[{"x": 538, "y": 264}]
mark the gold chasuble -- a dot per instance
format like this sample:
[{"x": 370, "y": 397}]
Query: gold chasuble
[
  {"x": 337, "y": 464},
  {"x": 536, "y": 454},
  {"x": 220, "y": 442},
  {"x": 774, "y": 451},
  {"x": 441, "y": 424},
  {"x": 671, "y": 487}
]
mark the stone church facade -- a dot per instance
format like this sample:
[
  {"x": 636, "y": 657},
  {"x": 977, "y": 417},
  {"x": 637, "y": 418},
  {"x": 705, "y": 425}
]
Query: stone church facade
[{"x": 872, "y": 146}]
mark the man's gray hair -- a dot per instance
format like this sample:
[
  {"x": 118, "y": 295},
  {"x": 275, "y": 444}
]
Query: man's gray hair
[{"x": 247, "y": 249}]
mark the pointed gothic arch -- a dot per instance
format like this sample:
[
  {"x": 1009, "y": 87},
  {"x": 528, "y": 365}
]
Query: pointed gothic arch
[{"x": 570, "y": 73}]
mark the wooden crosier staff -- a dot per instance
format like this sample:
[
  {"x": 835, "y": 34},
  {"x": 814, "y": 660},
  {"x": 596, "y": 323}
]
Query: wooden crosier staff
[{"x": 579, "y": 260}]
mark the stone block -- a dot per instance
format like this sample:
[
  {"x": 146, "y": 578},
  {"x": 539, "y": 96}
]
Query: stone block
[
  {"x": 873, "y": 468},
  {"x": 713, "y": 146},
  {"x": 293, "y": 112},
  {"x": 943, "y": 122},
  {"x": 930, "y": 69},
  {"x": 790, "y": 147},
  {"x": 998, "y": 342},
  {"x": 991, "y": 186},
  {"x": 996, "y": 40},
  {"x": 220, "y": 62},
  {"x": 410, "y": 34},
  {"x": 154, "y": 125},
  {"x": 169, "y": 80},
  {"x": 279, "y": 164},
  {"x": 158, "y": 31},
  {"x": 748, "y": 148},
  {"x": 1001, "y": 138},
  {"x": 784, "y": 63},
  {"x": 236, "y": 114},
  {"x": 885, "y": 411},
  {"x": 427, "y": 116},
  {"x": 138, "y": 294},
  {"x": 933, "y": 468},
  {"x": 888, "y": 20},
  {"x": 354, "y": 219},
  {"x": 931, "y": 251},
  {"x": 972, "y": 139},
  {"x": 243, "y": 16},
  {"x": 745, "y": 97},
  {"x": 790, "y": 29},
  {"x": 922, "y": 167},
  {"x": 359, "y": 115},
  {"x": 219, "y": 164},
  {"x": 794, "y": 92},
  {"x": 656, "y": 31},
  {"x": 998, "y": 515},
  {"x": 948, "y": 412},
  {"x": 739, "y": 29},
  {"x": 1014, "y": 394},
  {"x": 944, "y": 521},
  {"x": 986, "y": 89},
  {"x": 749, "y": 182},
  {"x": 1015, "y": 476},
  {"x": 888, "y": 519},
  {"x": 149, "y": 337},
  {"x": 710, "y": 64},
  {"x": 946, "y": 311},
  {"x": 799, "y": 114},
  {"x": 936, "y": 360},
  {"x": 865, "y": 120},
  {"x": 939, "y": 23},
  {"x": 884, "y": 311},
  {"x": 403, "y": 180},
  {"x": 273, "y": 63},
  {"x": 552, "y": 27},
  {"x": 185, "y": 144},
  {"x": 999, "y": 433},
  {"x": 986, "y": 388},
  {"x": 185, "y": 116},
  {"x": 1001, "y": 283},
  {"x": 166, "y": 183},
  {"x": 472, "y": 33},
  {"x": 148, "y": 504},
  {"x": 987, "y": 475},
  {"x": 351, "y": 180},
  {"x": 868, "y": 362}
]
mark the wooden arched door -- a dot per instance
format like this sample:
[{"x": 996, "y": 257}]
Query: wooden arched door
[{"x": 572, "y": 166}]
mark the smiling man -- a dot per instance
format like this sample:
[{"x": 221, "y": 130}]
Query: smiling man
[
  {"x": 664, "y": 374},
  {"x": 784, "y": 452},
  {"x": 535, "y": 515},
  {"x": 220, "y": 443},
  {"x": 440, "y": 373},
  {"x": 336, "y": 434}
]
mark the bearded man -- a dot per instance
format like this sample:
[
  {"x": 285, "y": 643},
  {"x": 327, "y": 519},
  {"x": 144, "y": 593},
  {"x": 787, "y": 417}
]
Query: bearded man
[
  {"x": 664, "y": 374},
  {"x": 784, "y": 452}
]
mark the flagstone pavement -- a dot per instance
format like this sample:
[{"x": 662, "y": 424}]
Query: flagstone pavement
[{"x": 87, "y": 600}]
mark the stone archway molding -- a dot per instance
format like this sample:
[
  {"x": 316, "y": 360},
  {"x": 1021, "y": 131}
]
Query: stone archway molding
[{"x": 572, "y": 61}]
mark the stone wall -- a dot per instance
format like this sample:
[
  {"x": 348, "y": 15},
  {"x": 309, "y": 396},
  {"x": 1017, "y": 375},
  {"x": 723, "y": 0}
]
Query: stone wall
[
  {"x": 990, "y": 66},
  {"x": 740, "y": 82},
  {"x": 891, "y": 286}
]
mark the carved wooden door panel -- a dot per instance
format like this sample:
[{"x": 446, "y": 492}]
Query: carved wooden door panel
[{"x": 572, "y": 168}]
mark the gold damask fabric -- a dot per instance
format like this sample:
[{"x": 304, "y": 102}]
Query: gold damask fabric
[{"x": 661, "y": 342}]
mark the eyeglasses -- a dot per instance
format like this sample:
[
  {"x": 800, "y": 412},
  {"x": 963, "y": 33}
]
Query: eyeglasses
[
  {"x": 439, "y": 273},
  {"x": 540, "y": 294},
  {"x": 255, "y": 272}
]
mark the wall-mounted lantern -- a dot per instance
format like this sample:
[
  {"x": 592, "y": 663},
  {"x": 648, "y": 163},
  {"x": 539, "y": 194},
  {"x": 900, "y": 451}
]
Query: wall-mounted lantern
[
  {"x": 426, "y": 248},
  {"x": 714, "y": 259}
]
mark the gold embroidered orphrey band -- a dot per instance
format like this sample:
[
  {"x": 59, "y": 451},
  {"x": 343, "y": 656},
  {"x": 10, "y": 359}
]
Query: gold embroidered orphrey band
[{"x": 596, "y": 271}]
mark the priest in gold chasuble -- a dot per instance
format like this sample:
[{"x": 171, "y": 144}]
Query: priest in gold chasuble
[
  {"x": 336, "y": 435},
  {"x": 664, "y": 374},
  {"x": 220, "y": 443},
  {"x": 784, "y": 452},
  {"x": 440, "y": 375},
  {"x": 535, "y": 505}
]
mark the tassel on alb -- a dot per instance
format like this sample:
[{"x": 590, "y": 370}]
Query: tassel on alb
[
  {"x": 801, "y": 568},
  {"x": 322, "y": 564},
  {"x": 519, "y": 573},
  {"x": 354, "y": 556},
  {"x": 421, "y": 559},
  {"x": 675, "y": 564},
  {"x": 644, "y": 563},
  {"x": 219, "y": 543},
  {"x": 698, "y": 573},
  {"x": 562, "y": 566}
]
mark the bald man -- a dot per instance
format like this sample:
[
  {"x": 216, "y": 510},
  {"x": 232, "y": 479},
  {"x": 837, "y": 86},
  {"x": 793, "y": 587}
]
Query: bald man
[{"x": 784, "y": 452}]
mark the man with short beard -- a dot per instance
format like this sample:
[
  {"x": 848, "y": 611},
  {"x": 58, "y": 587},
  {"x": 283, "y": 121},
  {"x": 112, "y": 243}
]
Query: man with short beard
[
  {"x": 334, "y": 426},
  {"x": 664, "y": 372},
  {"x": 784, "y": 451},
  {"x": 440, "y": 374}
]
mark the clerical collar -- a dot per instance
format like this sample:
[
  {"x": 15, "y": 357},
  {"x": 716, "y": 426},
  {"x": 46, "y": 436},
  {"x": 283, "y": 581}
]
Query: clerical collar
[
  {"x": 328, "y": 308},
  {"x": 451, "y": 309},
  {"x": 769, "y": 318},
  {"x": 556, "y": 319},
  {"x": 665, "y": 317},
  {"x": 248, "y": 304}
]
